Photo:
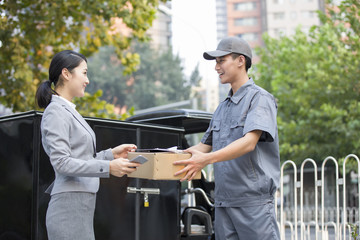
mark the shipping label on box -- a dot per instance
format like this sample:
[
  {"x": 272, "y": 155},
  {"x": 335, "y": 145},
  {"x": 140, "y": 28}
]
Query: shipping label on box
[{"x": 160, "y": 165}]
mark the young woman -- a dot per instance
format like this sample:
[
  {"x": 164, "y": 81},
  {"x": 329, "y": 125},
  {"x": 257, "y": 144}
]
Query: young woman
[{"x": 70, "y": 144}]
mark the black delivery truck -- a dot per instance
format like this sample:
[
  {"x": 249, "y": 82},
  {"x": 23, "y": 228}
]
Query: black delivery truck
[{"x": 26, "y": 172}]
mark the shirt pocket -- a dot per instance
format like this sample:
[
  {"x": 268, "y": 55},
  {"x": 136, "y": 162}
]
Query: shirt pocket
[
  {"x": 237, "y": 124},
  {"x": 216, "y": 126},
  {"x": 215, "y": 129}
]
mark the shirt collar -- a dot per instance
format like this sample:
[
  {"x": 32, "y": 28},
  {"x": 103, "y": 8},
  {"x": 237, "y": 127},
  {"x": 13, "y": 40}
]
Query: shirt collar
[
  {"x": 73, "y": 106},
  {"x": 240, "y": 93}
]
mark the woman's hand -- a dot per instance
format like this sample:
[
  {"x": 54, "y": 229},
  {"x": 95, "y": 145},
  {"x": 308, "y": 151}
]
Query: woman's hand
[
  {"x": 122, "y": 150},
  {"x": 121, "y": 166}
]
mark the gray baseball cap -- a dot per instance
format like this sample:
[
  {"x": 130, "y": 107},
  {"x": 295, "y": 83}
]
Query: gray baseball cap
[{"x": 229, "y": 45}]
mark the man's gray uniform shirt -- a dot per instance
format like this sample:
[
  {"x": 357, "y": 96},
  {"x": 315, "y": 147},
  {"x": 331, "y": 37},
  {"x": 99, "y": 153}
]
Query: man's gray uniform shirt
[{"x": 253, "y": 178}]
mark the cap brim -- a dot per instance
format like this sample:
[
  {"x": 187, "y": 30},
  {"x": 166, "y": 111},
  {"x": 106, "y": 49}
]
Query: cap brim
[{"x": 211, "y": 55}]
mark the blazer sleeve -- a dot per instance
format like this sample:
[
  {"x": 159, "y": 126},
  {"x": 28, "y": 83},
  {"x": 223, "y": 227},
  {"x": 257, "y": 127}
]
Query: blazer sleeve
[
  {"x": 105, "y": 154},
  {"x": 69, "y": 146}
]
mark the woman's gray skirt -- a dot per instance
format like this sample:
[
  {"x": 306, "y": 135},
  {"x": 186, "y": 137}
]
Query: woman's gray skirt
[{"x": 70, "y": 216}]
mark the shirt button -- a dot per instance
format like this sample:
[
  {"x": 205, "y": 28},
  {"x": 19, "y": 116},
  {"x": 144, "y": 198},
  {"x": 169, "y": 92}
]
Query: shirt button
[{"x": 94, "y": 155}]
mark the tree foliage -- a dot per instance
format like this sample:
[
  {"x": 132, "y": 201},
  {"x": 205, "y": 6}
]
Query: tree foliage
[
  {"x": 92, "y": 106},
  {"x": 158, "y": 80},
  {"x": 31, "y": 31},
  {"x": 315, "y": 78}
]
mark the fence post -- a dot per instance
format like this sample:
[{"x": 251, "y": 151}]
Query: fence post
[
  {"x": 337, "y": 229},
  {"x": 282, "y": 226},
  {"x": 340, "y": 227},
  {"x": 344, "y": 190},
  {"x": 302, "y": 198}
]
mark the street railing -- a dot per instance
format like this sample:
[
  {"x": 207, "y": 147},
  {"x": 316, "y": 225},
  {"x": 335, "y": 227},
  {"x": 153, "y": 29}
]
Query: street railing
[{"x": 309, "y": 216}]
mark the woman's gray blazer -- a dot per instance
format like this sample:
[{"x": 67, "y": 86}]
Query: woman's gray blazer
[{"x": 70, "y": 144}]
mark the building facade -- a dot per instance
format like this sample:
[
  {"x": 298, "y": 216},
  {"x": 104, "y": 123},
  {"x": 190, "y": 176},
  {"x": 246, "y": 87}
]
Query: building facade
[
  {"x": 160, "y": 31},
  {"x": 284, "y": 16},
  {"x": 249, "y": 19}
]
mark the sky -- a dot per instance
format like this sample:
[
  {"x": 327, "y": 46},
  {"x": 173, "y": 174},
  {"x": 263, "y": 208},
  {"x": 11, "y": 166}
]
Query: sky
[{"x": 194, "y": 32}]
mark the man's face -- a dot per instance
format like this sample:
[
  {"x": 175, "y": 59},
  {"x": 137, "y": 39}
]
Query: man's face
[{"x": 227, "y": 68}]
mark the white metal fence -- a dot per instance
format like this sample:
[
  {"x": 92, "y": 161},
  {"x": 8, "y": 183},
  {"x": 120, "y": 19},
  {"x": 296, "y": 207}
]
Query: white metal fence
[{"x": 318, "y": 222}]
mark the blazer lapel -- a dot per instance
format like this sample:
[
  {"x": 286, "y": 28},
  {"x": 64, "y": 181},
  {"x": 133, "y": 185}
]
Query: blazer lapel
[{"x": 79, "y": 118}]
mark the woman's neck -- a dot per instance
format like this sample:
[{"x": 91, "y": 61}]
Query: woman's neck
[{"x": 63, "y": 93}]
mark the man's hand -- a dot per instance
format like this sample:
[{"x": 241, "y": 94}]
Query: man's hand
[
  {"x": 201, "y": 156},
  {"x": 193, "y": 165},
  {"x": 122, "y": 150}
]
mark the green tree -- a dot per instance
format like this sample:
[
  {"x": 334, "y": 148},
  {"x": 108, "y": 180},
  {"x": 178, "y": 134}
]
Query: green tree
[
  {"x": 159, "y": 79},
  {"x": 31, "y": 31},
  {"x": 315, "y": 80},
  {"x": 105, "y": 72},
  {"x": 195, "y": 77},
  {"x": 93, "y": 106},
  {"x": 196, "y": 91}
]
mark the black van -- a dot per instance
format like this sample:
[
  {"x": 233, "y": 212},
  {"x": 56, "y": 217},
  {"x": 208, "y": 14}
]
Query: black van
[{"x": 25, "y": 173}]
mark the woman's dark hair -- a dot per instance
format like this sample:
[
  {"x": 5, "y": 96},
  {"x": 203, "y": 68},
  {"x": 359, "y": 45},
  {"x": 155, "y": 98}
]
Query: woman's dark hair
[
  {"x": 247, "y": 60},
  {"x": 65, "y": 59}
]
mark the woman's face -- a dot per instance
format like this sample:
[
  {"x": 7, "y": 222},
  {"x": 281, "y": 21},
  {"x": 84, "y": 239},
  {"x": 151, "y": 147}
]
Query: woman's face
[{"x": 78, "y": 80}]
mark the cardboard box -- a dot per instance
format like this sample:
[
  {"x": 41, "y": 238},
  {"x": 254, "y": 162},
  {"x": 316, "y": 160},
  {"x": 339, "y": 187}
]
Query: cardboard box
[{"x": 160, "y": 165}]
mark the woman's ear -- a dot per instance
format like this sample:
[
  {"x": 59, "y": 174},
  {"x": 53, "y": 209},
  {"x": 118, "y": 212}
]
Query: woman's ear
[{"x": 65, "y": 74}]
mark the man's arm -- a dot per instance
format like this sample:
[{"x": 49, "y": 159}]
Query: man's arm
[
  {"x": 237, "y": 148},
  {"x": 201, "y": 147},
  {"x": 200, "y": 159}
]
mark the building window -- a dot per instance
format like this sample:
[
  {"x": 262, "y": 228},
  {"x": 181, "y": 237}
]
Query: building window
[
  {"x": 279, "y": 15},
  {"x": 168, "y": 26},
  {"x": 221, "y": 26},
  {"x": 251, "y": 21},
  {"x": 219, "y": 19},
  {"x": 245, "y": 6},
  {"x": 292, "y": 31},
  {"x": 221, "y": 11},
  {"x": 279, "y": 32},
  {"x": 308, "y": 14},
  {"x": 278, "y": 1},
  {"x": 293, "y": 15},
  {"x": 306, "y": 30},
  {"x": 168, "y": 41},
  {"x": 249, "y": 36}
]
